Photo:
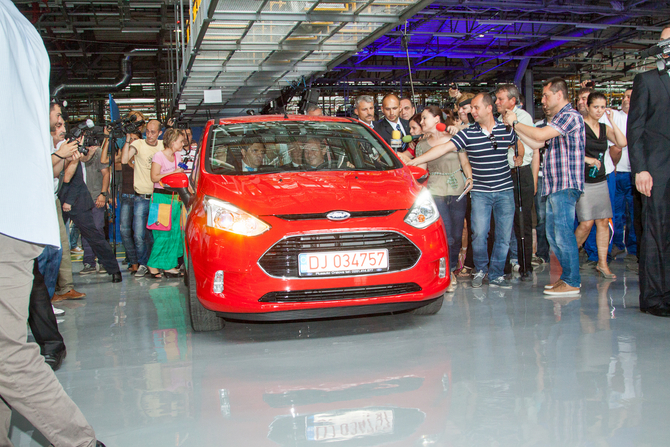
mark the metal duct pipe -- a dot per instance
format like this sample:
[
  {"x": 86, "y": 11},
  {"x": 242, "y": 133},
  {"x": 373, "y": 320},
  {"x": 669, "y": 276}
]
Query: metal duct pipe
[{"x": 121, "y": 82}]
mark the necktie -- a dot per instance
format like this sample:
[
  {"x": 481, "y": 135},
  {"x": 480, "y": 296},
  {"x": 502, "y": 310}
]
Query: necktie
[{"x": 397, "y": 127}]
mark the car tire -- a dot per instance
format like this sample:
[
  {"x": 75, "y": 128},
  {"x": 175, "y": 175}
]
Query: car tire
[
  {"x": 202, "y": 320},
  {"x": 430, "y": 309}
]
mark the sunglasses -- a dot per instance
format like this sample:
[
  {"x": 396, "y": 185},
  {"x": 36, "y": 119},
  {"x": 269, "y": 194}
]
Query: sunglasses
[{"x": 493, "y": 141}]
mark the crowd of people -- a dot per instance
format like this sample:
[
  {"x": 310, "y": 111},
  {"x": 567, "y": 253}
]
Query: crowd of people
[{"x": 519, "y": 188}]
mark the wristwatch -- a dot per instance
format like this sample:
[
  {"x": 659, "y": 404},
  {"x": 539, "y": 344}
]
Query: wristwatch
[
  {"x": 104, "y": 194},
  {"x": 514, "y": 123}
]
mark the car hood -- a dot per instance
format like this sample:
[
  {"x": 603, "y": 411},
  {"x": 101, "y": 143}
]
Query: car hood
[{"x": 315, "y": 192}]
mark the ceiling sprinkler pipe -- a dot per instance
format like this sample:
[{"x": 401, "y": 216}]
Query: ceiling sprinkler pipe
[{"x": 118, "y": 85}]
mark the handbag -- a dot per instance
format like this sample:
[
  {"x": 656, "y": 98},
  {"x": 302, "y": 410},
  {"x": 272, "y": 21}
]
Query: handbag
[{"x": 160, "y": 214}]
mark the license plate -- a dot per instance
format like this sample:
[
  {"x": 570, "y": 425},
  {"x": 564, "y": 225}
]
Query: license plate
[
  {"x": 349, "y": 425},
  {"x": 343, "y": 262}
]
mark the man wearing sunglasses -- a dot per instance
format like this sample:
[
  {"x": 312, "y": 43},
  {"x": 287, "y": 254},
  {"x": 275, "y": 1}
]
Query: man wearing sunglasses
[{"x": 486, "y": 144}]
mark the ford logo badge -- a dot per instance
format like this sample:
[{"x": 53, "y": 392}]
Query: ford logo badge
[{"x": 338, "y": 215}]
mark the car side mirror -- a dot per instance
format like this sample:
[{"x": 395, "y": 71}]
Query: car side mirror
[
  {"x": 419, "y": 174},
  {"x": 178, "y": 183}
]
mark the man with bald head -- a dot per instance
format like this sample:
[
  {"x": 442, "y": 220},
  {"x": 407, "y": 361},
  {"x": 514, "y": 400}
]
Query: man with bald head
[
  {"x": 391, "y": 120},
  {"x": 143, "y": 151}
]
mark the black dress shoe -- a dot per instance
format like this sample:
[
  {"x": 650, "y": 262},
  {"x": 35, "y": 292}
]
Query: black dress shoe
[
  {"x": 657, "y": 311},
  {"x": 116, "y": 277},
  {"x": 525, "y": 276},
  {"x": 55, "y": 359}
]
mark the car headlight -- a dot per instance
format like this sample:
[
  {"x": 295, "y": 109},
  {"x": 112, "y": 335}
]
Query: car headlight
[
  {"x": 424, "y": 211},
  {"x": 224, "y": 216}
]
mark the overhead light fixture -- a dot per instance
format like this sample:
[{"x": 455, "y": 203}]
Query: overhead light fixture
[{"x": 240, "y": 25}]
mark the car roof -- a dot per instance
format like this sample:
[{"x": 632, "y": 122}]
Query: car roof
[{"x": 266, "y": 118}]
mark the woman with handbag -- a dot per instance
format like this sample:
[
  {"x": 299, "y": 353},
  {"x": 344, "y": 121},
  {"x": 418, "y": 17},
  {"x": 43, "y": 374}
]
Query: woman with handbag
[{"x": 165, "y": 210}]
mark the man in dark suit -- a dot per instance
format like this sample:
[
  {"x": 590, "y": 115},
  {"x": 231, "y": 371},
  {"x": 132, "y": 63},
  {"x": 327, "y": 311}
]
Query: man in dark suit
[
  {"x": 392, "y": 121},
  {"x": 77, "y": 205},
  {"x": 649, "y": 152}
]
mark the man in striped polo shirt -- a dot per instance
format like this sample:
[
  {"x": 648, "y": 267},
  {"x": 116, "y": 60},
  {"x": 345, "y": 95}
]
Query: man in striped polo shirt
[
  {"x": 563, "y": 175},
  {"x": 486, "y": 143}
]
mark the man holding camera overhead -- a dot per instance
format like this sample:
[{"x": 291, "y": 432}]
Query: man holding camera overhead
[{"x": 144, "y": 151}]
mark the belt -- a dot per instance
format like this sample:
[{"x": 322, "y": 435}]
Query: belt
[
  {"x": 144, "y": 196},
  {"x": 161, "y": 191}
]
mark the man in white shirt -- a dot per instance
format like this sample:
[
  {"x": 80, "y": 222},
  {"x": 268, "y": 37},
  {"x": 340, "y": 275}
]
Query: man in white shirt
[{"x": 28, "y": 223}]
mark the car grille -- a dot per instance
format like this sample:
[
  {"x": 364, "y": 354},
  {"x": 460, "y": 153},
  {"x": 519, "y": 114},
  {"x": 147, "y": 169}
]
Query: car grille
[
  {"x": 353, "y": 214},
  {"x": 282, "y": 259},
  {"x": 345, "y": 293}
]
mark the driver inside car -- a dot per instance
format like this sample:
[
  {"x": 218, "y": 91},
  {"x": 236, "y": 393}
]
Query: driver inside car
[{"x": 314, "y": 153}]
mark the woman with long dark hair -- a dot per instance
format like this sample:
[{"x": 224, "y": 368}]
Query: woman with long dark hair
[{"x": 594, "y": 205}]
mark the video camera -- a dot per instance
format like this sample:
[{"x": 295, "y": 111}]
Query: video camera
[
  {"x": 93, "y": 135},
  {"x": 662, "y": 52},
  {"x": 127, "y": 125}
]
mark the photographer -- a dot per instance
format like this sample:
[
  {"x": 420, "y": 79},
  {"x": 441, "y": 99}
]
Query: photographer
[
  {"x": 78, "y": 206},
  {"x": 143, "y": 151},
  {"x": 97, "y": 182},
  {"x": 62, "y": 153}
]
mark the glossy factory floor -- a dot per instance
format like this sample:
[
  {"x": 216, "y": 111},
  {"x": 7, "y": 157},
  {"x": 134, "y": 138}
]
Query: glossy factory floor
[{"x": 493, "y": 368}]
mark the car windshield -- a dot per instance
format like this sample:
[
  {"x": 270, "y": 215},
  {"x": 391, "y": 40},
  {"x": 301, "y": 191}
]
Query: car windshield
[{"x": 295, "y": 146}]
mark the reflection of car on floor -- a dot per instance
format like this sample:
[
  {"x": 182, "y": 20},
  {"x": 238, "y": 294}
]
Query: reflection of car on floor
[
  {"x": 302, "y": 217},
  {"x": 338, "y": 394}
]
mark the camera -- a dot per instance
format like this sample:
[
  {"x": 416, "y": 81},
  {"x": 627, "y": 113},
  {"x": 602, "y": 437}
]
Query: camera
[
  {"x": 127, "y": 125},
  {"x": 93, "y": 136}
]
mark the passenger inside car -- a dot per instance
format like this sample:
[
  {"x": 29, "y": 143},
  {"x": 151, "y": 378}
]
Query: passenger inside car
[{"x": 252, "y": 156}]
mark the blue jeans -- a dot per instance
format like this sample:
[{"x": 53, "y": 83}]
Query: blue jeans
[
  {"x": 501, "y": 205},
  {"x": 560, "y": 228},
  {"x": 73, "y": 235},
  {"x": 623, "y": 213},
  {"x": 48, "y": 263},
  {"x": 144, "y": 240},
  {"x": 590, "y": 243},
  {"x": 453, "y": 216},
  {"x": 126, "y": 225},
  {"x": 541, "y": 212}
]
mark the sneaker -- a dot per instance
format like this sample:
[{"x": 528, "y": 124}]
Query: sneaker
[
  {"x": 553, "y": 284},
  {"x": 101, "y": 270},
  {"x": 57, "y": 311},
  {"x": 537, "y": 261},
  {"x": 501, "y": 282},
  {"x": 478, "y": 279},
  {"x": 515, "y": 265},
  {"x": 77, "y": 250},
  {"x": 87, "y": 270},
  {"x": 141, "y": 271},
  {"x": 562, "y": 290}
]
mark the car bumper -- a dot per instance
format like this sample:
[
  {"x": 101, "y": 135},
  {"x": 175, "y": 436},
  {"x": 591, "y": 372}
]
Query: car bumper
[{"x": 247, "y": 285}]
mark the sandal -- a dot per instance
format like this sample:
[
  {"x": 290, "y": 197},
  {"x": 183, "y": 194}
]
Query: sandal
[
  {"x": 169, "y": 274},
  {"x": 156, "y": 275}
]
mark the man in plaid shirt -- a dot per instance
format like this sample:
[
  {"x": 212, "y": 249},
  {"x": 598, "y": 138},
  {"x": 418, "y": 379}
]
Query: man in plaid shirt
[{"x": 563, "y": 176}]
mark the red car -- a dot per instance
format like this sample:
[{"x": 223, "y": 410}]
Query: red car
[{"x": 297, "y": 217}]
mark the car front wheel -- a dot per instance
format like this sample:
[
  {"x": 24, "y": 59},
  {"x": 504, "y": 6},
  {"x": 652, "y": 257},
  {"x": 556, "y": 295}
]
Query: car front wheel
[
  {"x": 430, "y": 309},
  {"x": 202, "y": 319}
]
